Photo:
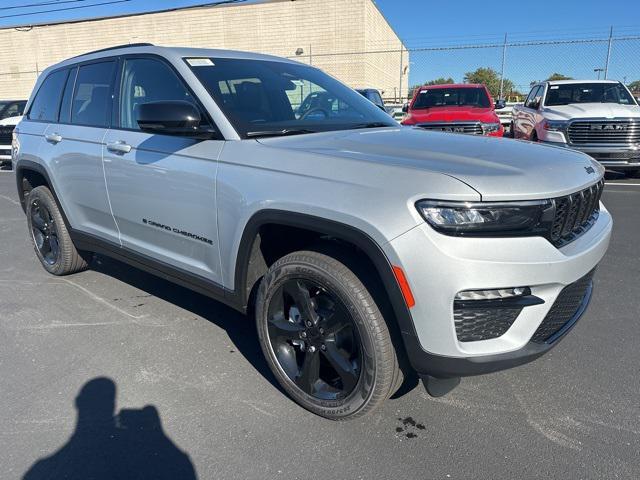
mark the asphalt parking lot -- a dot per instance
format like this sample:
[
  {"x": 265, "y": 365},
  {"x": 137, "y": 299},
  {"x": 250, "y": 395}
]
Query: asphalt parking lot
[{"x": 216, "y": 412}]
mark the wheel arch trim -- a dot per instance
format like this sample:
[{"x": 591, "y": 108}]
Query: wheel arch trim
[{"x": 331, "y": 228}]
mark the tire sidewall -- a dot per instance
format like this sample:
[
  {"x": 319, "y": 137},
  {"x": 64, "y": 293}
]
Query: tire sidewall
[
  {"x": 42, "y": 195},
  {"x": 367, "y": 382}
]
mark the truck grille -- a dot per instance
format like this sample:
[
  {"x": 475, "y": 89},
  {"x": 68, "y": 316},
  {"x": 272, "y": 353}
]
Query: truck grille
[
  {"x": 5, "y": 134},
  {"x": 609, "y": 132},
  {"x": 575, "y": 214},
  {"x": 472, "y": 128},
  {"x": 566, "y": 309}
]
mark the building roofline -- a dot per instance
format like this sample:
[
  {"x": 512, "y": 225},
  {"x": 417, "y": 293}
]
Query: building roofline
[{"x": 203, "y": 5}]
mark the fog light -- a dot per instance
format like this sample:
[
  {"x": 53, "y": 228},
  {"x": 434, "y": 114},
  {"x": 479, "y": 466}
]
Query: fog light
[{"x": 496, "y": 294}]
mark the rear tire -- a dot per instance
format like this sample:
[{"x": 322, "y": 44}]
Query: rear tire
[
  {"x": 51, "y": 241},
  {"x": 314, "y": 314}
]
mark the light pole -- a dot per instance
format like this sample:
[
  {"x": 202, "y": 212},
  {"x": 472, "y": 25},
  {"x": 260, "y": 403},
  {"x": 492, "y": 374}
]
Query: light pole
[{"x": 598, "y": 70}]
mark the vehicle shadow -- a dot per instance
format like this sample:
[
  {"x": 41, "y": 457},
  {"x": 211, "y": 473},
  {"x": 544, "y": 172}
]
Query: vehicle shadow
[
  {"x": 129, "y": 445},
  {"x": 240, "y": 329}
]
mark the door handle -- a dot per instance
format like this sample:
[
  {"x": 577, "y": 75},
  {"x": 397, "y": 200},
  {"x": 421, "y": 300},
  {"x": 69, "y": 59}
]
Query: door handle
[
  {"x": 119, "y": 147},
  {"x": 53, "y": 138}
]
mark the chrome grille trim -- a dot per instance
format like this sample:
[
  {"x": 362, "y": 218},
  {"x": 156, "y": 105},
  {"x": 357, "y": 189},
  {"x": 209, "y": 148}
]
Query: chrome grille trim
[
  {"x": 603, "y": 131},
  {"x": 471, "y": 128}
]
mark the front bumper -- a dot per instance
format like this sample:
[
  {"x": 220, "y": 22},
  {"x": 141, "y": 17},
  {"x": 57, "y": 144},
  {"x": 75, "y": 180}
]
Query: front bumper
[
  {"x": 626, "y": 157},
  {"x": 438, "y": 267}
]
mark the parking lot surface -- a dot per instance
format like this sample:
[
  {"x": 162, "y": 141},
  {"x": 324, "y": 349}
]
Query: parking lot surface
[{"x": 217, "y": 413}]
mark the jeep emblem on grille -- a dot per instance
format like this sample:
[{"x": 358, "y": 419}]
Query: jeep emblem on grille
[{"x": 590, "y": 169}]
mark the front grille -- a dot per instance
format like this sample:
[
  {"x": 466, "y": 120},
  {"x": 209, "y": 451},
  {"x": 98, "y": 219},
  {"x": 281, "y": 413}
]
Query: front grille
[
  {"x": 5, "y": 134},
  {"x": 603, "y": 131},
  {"x": 471, "y": 128},
  {"x": 575, "y": 213},
  {"x": 626, "y": 156},
  {"x": 566, "y": 309},
  {"x": 473, "y": 324}
]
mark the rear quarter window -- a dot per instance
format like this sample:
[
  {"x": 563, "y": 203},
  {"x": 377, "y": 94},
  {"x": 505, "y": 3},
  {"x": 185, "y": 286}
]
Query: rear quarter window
[{"x": 46, "y": 103}]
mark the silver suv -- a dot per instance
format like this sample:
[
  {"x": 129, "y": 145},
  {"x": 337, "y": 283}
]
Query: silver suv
[{"x": 367, "y": 252}]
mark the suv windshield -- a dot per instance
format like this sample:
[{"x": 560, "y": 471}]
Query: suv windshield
[
  {"x": 265, "y": 98},
  {"x": 588, "y": 93},
  {"x": 452, "y": 97},
  {"x": 10, "y": 109}
]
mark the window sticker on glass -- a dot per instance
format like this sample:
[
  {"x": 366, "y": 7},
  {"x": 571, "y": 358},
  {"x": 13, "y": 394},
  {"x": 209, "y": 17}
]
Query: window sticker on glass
[
  {"x": 200, "y": 62},
  {"x": 554, "y": 87}
]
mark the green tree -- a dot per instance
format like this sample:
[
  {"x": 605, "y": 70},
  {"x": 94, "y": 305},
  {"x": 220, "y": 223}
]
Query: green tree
[
  {"x": 440, "y": 81},
  {"x": 489, "y": 77},
  {"x": 437, "y": 81},
  {"x": 634, "y": 86},
  {"x": 558, "y": 76}
]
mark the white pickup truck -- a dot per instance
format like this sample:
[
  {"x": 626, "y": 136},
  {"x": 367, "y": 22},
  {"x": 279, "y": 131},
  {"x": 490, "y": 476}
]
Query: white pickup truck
[{"x": 597, "y": 117}]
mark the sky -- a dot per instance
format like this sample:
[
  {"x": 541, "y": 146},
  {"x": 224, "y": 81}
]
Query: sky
[{"x": 431, "y": 23}]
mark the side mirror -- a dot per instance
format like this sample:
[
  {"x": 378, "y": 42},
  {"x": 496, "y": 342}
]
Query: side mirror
[
  {"x": 405, "y": 108},
  {"x": 500, "y": 104},
  {"x": 174, "y": 117}
]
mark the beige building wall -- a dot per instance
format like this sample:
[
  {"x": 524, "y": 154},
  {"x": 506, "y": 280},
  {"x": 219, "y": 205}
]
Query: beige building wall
[{"x": 332, "y": 34}]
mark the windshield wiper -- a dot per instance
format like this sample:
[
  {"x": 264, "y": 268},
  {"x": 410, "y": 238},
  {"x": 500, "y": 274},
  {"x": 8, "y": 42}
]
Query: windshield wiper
[
  {"x": 372, "y": 125},
  {"x": 279, "y": 133}
]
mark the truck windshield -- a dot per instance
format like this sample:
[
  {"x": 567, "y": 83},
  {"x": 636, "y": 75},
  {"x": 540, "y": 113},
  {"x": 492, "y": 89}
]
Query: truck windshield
[
  {"x": 452, "y": 97},
  {"x": 588, "y": 93},
  {"x": 271, "y": 98}
]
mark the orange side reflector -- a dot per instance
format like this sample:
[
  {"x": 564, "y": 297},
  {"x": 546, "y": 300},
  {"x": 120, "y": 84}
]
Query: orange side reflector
[{"x": 404, "y": 286}]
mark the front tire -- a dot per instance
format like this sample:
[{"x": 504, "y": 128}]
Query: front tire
[
  {"x": 324, "y": 337},
  {"x": 51, "y": 241}
]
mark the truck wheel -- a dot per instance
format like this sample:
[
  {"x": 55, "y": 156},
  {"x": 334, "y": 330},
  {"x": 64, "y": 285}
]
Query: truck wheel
[
  {"x": 324, "y": 337},
  {"x": 49, "y": 234}
]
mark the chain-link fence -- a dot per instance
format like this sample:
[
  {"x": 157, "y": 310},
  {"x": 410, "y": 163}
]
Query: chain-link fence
[{"x": 507, "y": 67}]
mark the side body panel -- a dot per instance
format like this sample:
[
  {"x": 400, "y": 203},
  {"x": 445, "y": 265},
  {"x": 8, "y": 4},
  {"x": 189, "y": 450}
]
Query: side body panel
[
  {"x": 163, "y": 195},
  {"x": 76, "y": 164}
]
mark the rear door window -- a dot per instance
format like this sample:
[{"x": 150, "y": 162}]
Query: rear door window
[
  {"x": 91, "y": 105},
  {"x": 45, "y": 105}
]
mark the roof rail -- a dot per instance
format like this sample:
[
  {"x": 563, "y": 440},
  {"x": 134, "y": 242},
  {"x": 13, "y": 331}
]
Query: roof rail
[{"x": 126, "y": 45}]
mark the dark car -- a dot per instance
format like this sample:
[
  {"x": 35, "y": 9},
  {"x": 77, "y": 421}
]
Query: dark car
[{"x": 373, "y": 96}]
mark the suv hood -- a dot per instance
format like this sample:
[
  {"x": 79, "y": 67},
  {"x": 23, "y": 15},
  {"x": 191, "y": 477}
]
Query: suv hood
[
  {"x": 497, "y": 168},
  {"x": 453, "y": 114},
  {"x": 591, "y": 110}
]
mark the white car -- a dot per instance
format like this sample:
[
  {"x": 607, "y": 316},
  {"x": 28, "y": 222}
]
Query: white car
[
  {"x": 597, "y": 117},
  {"x": 6, "y": 131}
]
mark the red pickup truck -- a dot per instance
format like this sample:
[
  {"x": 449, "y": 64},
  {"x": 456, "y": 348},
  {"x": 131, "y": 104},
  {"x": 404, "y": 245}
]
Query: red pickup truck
[{"x": 459, "y": 108}]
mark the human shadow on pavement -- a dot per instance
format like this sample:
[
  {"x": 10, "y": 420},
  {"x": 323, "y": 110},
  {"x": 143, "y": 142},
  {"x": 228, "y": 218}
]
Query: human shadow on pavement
[{"x": 129, "y": 445}]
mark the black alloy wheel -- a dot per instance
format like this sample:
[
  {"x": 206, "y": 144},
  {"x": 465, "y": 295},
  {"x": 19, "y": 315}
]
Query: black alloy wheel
[
  {"x": 51, "y": 240},
  {"x": 323, "y": 334},
  {"x": 314, "y": 339},
  {"x": 45, "y": 233}
]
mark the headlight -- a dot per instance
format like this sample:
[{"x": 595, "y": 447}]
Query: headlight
[
  {"x": 490, "y": 127},
  {"x": 488, "y": 218},
  {"x": 554, "y": 125}
]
